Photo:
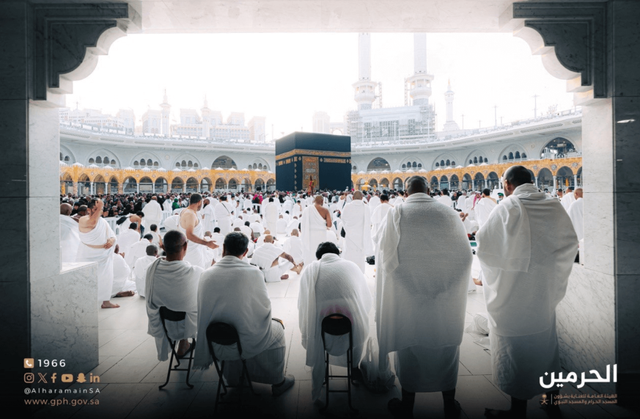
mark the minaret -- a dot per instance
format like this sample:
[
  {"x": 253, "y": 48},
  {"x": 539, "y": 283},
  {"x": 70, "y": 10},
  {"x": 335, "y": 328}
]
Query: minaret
[
  {"x": 420, "y": 83},
  {"x": 206, "y": 118},
  {"x": 450, "y": 124},
  {"x": 365, "y": 89},
  {"x": 166, "y": 110}
]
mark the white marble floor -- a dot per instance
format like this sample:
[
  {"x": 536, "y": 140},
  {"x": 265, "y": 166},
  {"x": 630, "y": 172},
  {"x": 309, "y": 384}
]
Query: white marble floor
[{"x": 130, "y": 374}]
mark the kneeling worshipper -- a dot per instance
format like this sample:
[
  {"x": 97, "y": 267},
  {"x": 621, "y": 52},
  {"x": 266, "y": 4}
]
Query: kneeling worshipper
[
  {"x": 234, "y": 292},
  {"x": 293, "y": 246},
  {"x": 173, "y": 283},
  {"x": 123, "y": 286},
  {"x": 273, "y": 262},
  {"x": 138, "y": 250},
  {"x": 332, "y": 285},
  {"x": 141, "y": 266}
]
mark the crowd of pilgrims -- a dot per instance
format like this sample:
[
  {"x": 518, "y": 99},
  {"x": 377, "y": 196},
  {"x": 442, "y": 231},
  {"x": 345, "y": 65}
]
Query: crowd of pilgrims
[{"x": 357, "y": 228}]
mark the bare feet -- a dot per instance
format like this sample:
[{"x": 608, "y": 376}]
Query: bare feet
[
  {"x": 109, "y": 304},
  {"x": 285, "y": 276},
  {"x": 125, "y": 294},
  {"x": 184, "y": 347}
]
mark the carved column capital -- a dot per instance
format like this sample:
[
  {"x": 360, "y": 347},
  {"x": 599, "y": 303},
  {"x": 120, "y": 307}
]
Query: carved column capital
[
  {"x": 574, "y": 41},
  {"x": 68, "y": 38}
]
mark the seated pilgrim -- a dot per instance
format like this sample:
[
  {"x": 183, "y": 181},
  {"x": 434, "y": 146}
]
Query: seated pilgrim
[
  {"x": 233, "y": 292},
  {"x": 293, "y": 246},
  {"x": 141, "y": 266},
  {"x": 173, "y": 283},
  {"x": 281, "y": 225},
  {"x": 332, "y": 285},
  {"x": 128, "y": 238},
  {"x": 122, "y": 286},
  {"x": 251, "y": 245},
  {"x": 138, "y": 250},
  {"x": 171, "y": 223},
  {"x": 273, "y": 262}
]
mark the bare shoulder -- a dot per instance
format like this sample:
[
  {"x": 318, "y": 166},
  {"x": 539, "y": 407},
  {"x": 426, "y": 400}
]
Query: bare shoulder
[{"x": 322, "y": 210}]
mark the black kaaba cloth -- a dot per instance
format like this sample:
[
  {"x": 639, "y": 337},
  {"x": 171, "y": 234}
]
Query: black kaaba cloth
[{"x": 303, "y": 157}]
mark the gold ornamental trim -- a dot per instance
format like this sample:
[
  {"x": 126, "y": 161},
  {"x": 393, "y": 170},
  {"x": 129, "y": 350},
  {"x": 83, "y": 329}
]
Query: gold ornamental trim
[{"x": 319, "y": 153}]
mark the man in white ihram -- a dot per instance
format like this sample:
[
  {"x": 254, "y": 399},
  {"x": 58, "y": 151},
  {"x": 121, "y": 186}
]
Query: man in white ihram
[
  {"x": 69, "y": 239},
  {"x": 193, "y": 227},
  {"x": 332, "y": 285},
  {"x": 173, "y": 283},
  {"x": 413, "y": 286},
  {"x": 576, "y": 213},
  {"x": 97, "y": 239},
  {"x": 224, "y": 214},
  {"x": 271, "y": 215},
  {"x": 152, "y": 212},
  {"x": 315, "y": 222},
  {"x": 356, "y": 221},
  {"x": 234, "y": 292},
  {"x": 484, "y": 207},
  {"x": 526, "y": 250},
  {"x": 273, "y": 262}
]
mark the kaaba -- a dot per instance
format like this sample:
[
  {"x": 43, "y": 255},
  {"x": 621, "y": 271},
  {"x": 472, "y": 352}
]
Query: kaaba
[{"x": 320, "y": 160}]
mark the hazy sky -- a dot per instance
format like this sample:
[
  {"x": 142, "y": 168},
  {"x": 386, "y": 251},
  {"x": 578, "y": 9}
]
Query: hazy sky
[{"x": 287, "y": 77}]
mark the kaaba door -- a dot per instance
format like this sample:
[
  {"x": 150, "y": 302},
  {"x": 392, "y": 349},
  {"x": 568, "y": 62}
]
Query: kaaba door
[{"x": 311, "y": 171}]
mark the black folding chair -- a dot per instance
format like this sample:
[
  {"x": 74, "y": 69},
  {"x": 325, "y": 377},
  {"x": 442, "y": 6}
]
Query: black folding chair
[
  {"x": 226, "y": 335},
  {"x": 175, "y": 316},
  {"x": 338, "y": 325}
]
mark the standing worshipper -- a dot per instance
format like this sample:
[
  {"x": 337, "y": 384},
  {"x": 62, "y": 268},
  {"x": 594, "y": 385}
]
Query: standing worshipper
[
  {"x": 69, "y": 239},
  {"x": 153, "y": 212},
  {"x": 526, "y": 250},
  {"x": 568, "y": 199},
  {"x": 224, "y": 214},
  {"x": 270, "y": 214},
  {"x": 576, "y": 213},
  {"x": 316, "y": 220},
  {"x": 377, "y": 217},
  {"x": 484, "y": 207},
  {"x": 420, "y": 301},
  {"x": 193, "y": 228},
  {"x": 356, "y": 221},
  {"x": 208, "y": 215},
  {"x": 97, "y": 239}
]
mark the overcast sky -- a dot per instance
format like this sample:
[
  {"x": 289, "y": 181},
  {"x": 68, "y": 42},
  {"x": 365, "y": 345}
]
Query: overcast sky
[{"x": 287, "y": 77}]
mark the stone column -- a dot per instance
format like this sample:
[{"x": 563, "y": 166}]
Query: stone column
[
  {"x": 92, "y": 189},
  {"x": 575, "y": 181},
  {"x": 537, "y": 182},
  {"x": 120, "y": 188},
  {"x": 555, "y": 183},
  {"x": 75, "y": 188}
]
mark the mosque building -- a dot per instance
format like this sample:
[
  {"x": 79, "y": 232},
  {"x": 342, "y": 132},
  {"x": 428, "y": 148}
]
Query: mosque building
[{"x": 203, "y": 152}]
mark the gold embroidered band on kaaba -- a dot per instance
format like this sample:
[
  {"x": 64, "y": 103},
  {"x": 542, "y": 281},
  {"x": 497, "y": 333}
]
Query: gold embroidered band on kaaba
[{"x": 298, "y": 152}]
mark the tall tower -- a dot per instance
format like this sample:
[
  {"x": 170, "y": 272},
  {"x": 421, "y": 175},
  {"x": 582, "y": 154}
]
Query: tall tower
[
  {"x": 420, "y": 83},
  {"x": 206, "y": 119},
  {"x": 450, "y": 124},
  {"x": 365, "y": 89},
  {"x": 166, "y": 110}
]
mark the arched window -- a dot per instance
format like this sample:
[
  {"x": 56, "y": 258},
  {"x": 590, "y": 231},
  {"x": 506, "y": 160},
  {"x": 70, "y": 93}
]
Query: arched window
[
  {"x": 184, "y": 163},
  {"x": 113, "y": 162},
  {"x": 475, "y": 160},
  {"x": 91, "y": 161},
  {"x": 524, "y": 155},
  {"x": 441, "y": 163},
  {"x": 510, "y": 155},
  {"x": 480, "y": 158},
  {"x": 437, "y": 164},
  {"x": 453, "y": 163},
  {"x": 419, "y": 165},
  {"x": 149, "y": 162},
  {"x": 470, "y": 161},
  {"x": 156, "y": 164},
  {"x": 517, "y": 154},
  {"x": 486, "y": 160},
  {"x": 448, "y": 162},
  {"x": 195, "y": 164},
  {"x": 415, "y": 164},
  {"x": 190, "y": 163},
  {"x": 504, "y": 157},
  {"x": 105, "y": 160},
  {"x": 143, "y": 162},
  {"x": 99, "y": 160},
  {"x": 61, "y": 157},
  {"x": 177, "y": 164},
  {"x": 135, "y": 163}
]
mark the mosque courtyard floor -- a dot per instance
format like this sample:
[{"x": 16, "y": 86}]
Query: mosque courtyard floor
[{"x": 130, "y": 375}]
